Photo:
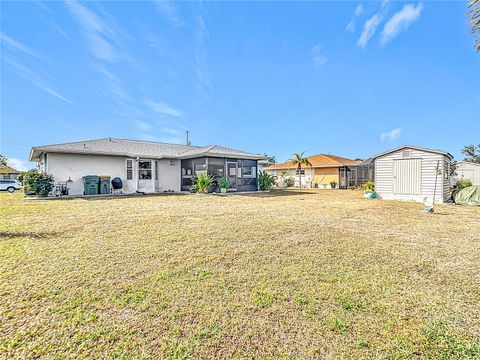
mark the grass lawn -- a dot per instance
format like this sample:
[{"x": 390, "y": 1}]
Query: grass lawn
[{"x": 307, "y": 274}]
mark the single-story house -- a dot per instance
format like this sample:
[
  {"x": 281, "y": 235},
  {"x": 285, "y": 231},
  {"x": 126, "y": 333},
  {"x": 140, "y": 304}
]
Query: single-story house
[
  {"x": 413, "y": 173},
  {"x": 7, "y": 172},
  {"x": 468, "y": 171},
  {"x": 324, "y": 170},
  {"x": 145, "y": 166}
]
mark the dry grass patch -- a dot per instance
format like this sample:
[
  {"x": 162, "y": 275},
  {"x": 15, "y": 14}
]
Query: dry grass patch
[{"x": 289, "y": 274}]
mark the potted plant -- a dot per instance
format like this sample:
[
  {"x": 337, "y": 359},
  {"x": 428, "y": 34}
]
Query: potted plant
[
  {"x": 224, "y": 185},
  {"x": 333, "y": 184},
  {"x": 369, "y": 189}
]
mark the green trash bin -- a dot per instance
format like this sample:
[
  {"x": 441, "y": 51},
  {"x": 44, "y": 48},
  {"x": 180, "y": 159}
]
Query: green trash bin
[
  {"x": 90, "y": 185},
  {"x": 104, "y": 184}
]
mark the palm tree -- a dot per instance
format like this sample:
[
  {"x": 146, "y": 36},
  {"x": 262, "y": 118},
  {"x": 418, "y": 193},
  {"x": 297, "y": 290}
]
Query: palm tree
[
  {"x": 474, "y": 14},
  {"x": 298, "y": 160}
]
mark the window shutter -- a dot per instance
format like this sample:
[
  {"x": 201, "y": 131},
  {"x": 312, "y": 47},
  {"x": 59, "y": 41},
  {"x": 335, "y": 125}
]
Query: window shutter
[{"x": 129, "y": 169}]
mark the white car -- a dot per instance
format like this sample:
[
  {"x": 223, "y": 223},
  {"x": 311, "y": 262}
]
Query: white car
[{"x": 10, "y": 185}]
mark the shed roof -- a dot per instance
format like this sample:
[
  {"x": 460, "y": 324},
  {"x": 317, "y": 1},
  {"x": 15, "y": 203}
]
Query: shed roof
[
  {"x": 467, "y": 163},
  {"x": 139, "y": 148},
  {"x": 414, "y": 148},
  {"x": 318, "y": 161}
]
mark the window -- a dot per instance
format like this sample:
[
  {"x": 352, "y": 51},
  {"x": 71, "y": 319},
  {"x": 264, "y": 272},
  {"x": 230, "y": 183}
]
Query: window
[
  {"x": 199, "y": 166},
  {"x": 145, "y": 170},
  {"x": 249, "y": 169},
  {"x": 187, "y": 168},
  {"x": 301, "y": 172},
  {"x": 156, "y": 170},
  {"x": 216, "y": 166},
  {"x": 129, "y": 169}
]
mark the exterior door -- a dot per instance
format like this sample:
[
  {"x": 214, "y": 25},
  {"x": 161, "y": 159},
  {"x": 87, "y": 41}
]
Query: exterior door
[
  {"x": 407, "y": 176},
  {"x": 145, "y": 176},
  {"x": 232, "y": 174}
]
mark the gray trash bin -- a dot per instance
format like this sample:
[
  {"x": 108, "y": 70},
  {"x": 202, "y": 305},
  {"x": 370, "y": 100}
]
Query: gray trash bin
[
  {"x": 104, "y": 184},
  {"x": 90, "y": 184}
]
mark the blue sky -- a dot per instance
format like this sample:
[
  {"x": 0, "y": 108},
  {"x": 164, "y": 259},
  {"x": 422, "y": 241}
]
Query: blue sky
[{"x": 346, "y": 78}]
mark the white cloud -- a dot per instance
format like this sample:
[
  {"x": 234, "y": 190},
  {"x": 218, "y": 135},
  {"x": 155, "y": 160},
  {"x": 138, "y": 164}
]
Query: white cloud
[
  {"x": 369, "y": 30},
  {"x": 400, "y": 21},
  {"x": 359, "y": 10},
  {"x": 202, "y": 70},
  {"x": 164, "y": 109},
  {"x": 113, "y": 84},
  {"x": 319, "y": 58},
  {"x": 391, "y": 135},
  {"x": 169, "y": 11},
  {"x": 97, "y": 33},
  {"x": 350, "y": 26},
  {"x": 17, "y": 46},
  {"x": 142, "y": 125},
  {"x": 35, "y": 79},
  {"x": 18, "y": 164}
]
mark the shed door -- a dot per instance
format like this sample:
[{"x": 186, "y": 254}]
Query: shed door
[{"x": 406, "y": 176}]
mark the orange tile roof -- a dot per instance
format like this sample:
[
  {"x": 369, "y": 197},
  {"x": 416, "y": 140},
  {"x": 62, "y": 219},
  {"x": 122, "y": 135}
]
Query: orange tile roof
[{"x": 320, "y": 160}]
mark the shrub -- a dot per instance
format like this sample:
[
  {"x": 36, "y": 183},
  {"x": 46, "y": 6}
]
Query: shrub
[
  {"x": 265, "y": 180},
  {"x": 36, "y": 182},
  {"x": 203, "y": 183},
  {"x": 224, "y": 183},
  {"x": 289, "y": 182},
  {"x": 368, "y": 186},
  {"x": 463, "y": 183}
]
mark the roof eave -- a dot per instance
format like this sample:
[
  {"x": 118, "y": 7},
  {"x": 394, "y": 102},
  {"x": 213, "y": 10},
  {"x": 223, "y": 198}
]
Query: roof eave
[
  {"x": 414, "y": 147},
  {"x": 89, "y": 152}
]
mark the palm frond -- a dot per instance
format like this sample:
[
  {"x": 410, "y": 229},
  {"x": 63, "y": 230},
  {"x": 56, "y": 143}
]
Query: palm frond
[{"x": 474, "y": 20}]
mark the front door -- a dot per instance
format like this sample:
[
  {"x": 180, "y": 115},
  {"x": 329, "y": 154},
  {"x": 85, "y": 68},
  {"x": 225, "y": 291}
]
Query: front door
[
  {"x": 407, "y": 176},
  {"x": 145, "y": 176},
  {"x": 232, "y": 174}
]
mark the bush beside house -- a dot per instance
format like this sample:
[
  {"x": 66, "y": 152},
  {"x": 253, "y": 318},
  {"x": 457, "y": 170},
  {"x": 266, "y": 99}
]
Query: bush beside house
[{"x": 35, "y": 182}]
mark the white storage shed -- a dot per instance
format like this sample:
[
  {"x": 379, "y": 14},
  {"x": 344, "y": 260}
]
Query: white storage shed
[
  {"x": 413, "y": 173},
  {"x": 468, "y": 171}
]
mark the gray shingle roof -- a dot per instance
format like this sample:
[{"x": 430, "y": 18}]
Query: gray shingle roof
[
  {"x": 441, "y": 152},
  {"x": 134, "y": 148}
]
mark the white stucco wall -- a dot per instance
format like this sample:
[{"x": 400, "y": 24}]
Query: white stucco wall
[
  {"x": 75, "y": 166},
  {"x": 168, "y": 175},
  {"x": 306, "y": 178}
]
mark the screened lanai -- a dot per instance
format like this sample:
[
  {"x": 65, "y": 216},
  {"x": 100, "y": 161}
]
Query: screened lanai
[{"x": 356, "y": 175}]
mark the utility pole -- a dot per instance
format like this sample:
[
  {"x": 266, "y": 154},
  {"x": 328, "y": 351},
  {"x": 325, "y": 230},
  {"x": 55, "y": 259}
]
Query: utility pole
[{"x": 188, "y": 141}]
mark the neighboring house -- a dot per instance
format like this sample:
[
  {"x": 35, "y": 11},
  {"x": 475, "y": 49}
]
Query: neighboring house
[
  {"x": 324, "y": 170},
  {"x": 7, "y": 172},
  {"x": 262, "y": 164},
  {"x": 468, "y": 171},
  {"x": 413, "y": 173},
  {"x": 145, "y": 166}
]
